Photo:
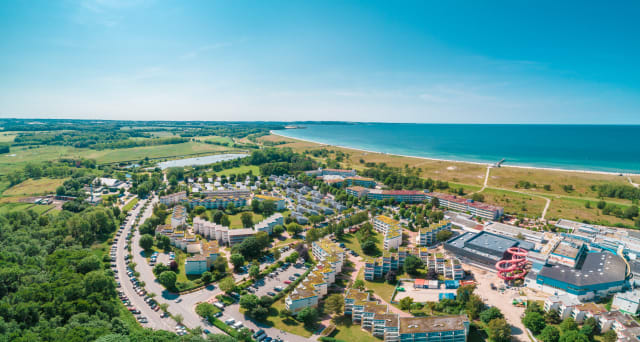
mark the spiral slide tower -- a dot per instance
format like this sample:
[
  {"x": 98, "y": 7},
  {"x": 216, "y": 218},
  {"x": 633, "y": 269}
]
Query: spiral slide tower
[{"x": 513, "y": 268}]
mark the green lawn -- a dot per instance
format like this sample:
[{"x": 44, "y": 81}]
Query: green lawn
[
  {"x": 347, "y": 331},
  {"x": 130, "y": 205},
  {"x": 34, "y": 187},
  {"x": 159, "y": 151},
  {"x": 379, "y": 287},
  {"x": 10, "y": 207},
  {"x": 287, "y": 324},
  {"x": 216, "y": 139},
  {"x": 240, "y": 169},
  {"x": 237, "y": 223},
  {"x": 24, "y": 155},
  {"x": 351, "y": 241}
]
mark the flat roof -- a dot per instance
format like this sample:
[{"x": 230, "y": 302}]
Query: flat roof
[
  {"x": 597, "y": 268},
  {"x": 412, "y": 325},
  {"x": 492, "y": 242},
  {"x": 566, "y": 249}
]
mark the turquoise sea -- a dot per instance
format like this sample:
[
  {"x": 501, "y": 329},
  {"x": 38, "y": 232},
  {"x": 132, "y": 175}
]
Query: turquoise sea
[{"x": 574, "y": 147}]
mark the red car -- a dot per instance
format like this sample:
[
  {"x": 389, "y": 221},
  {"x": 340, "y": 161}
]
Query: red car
[{"x": 287, "y": 282}]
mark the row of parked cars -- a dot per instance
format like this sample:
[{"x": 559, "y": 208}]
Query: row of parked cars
[{"x": 261, "y": 336}]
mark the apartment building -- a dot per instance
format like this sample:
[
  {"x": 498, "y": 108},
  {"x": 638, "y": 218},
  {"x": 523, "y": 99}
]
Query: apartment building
[
  {"x": 449, "y": 267},
  {"x": 172, "y": 199},
  {"x": 267, "y": 224},
  {"x": 627, "y": 302},
  {"x": 453, "y": 202},
  {"x": 222, "y": 234},
  {"x": 202, "y": 262},
  {"x": 331, "y": 172},
  {"x": 380, "y": 322},
  {"x": 407, "y": 196},
  {"x": 330, "y": 260},
  {"x": 391, "y": 229},
  {"x": 279, "y": 202},
  {"x": 178, "y": 216},
  {"x": 563, "y": 304},
  {"x": 427, "y": 236},
  {"x": 217, "y": 202}
]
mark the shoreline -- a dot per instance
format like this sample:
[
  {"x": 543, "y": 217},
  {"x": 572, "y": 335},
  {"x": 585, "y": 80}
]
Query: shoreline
[{"x": 608, "y": 173}]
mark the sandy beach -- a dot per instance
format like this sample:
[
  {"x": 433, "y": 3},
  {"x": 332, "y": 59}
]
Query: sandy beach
[{"x": 466, "y": 162}]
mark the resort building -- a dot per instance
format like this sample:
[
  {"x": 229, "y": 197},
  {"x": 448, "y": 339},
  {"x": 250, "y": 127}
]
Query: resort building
[
  {"x": 449, "y": 267},
  {"x": 407, "y": 196},
  {"x": 380, "y": 322},
  {"x": 627, "y": 302},
  {"x": 267, "y": 224},
  {"x": 484, "y": 248},
  {"x": 172, "y": 199},
  {"x": 331, "y": 172},
  {"x": 279, "y": 202},
  {"x": 514, "y": 232},
  {"x": 222, "y": 234},
  {"x": 202, "y": 262},
  {"x": 453, "y": 202},
  {"x": 391, "y": 229},
  {"x": 216, "y": 202},
  {"x": 178, "y": 216},
  {"x": 427, "y": 236},
  {"x": 316, "y": 285},
  {"x": 364, "y": 182},
  {"x": 563, "y": 304}
]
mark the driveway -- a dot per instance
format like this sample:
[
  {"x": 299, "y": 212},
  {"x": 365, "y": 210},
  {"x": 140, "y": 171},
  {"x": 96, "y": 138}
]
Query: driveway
[{"x": 155, "y": 321}]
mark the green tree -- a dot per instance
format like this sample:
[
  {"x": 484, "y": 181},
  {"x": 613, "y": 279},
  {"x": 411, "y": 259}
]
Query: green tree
[
  {"x": 146, "y": 242},
  {"x": 227, "y": 284},
  {"x": 474, "y": 306},
  {"x": 249, "y": 302},
  {"x": 568, "y": 324},
  {"x": 534, "y": 322},
  {"x": 405, "y": 303},
  {"x": 220, "y": 264},
  {"x": 443, "y": 235},
  {"x": 278, "y": 230},
  {"x": 610, "y": 336},
  {"x": 88, "y": 264},
  {"x": 499, "y": 330},
  {"x": 369, "y": 247},
  {"x": 489, "y": 314},
  {"x": 308, "y": 316},
  {"x": 552, "y": 317},
  {"x": 237, "y": 260},
  {"x": 254, "y": 271},
  {"x": 334, "y": 303},
  {"x": 358, "y": 284},
  {"x": 205, "y": 310},
  {"x": 463, "y": 293},
  {"x": 412, "y": 264},
  {"x": 573, "y": 336},
  {"x": 247, "y": 219},
  {"x": 225, "y": 221},
  {"x": 206, "y": 277},
  {"x": 549, "y": 334},
  {"x": 168, "y": 279},
  {"x": 294, "y": 228},
  {"x": 292, "y": 258},
  {"x": 244, "y": 335},
  {"x": 589, "y": 327}
]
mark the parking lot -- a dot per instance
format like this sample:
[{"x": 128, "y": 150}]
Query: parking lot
[
  {"x": 280, "y": 278},
  {"x": 421, "y": 295}
]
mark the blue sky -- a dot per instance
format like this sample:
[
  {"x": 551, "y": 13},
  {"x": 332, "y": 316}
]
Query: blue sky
[{"x": 390, "y": 61}]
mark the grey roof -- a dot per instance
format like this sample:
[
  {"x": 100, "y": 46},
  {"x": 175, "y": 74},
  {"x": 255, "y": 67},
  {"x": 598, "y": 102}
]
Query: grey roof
[{"x": 597, "y": 268}]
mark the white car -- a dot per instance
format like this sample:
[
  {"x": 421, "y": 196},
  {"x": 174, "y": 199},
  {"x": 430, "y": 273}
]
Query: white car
[{"x": 178, "y": 300}]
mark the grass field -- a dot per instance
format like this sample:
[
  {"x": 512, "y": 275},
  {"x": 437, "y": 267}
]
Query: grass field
[
  {"x": 16, "y": 206},
  {"x": 34, "y": 187},
  {"x": 287, "y": 324},
  {"x": 130, "y": 204},
  {"x": 240, "y": 169},
  {"x": 237, "y": 223},
  {"x": 216, "y": 139},
  {"x": 159, "y": 151},
  {"x": 513, "y": 202},
  {"x": 351, "y": 241},
  {"x": 347, "y": 331},
  {"x": 24, "y": 155},
  {"x": 7, "y": 136},
  {"x": 380, "y": 287},
  {"x": 574, "y": 209}
]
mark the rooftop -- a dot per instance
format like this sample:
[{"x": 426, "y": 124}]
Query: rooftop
[
  {"x": 412, "y": 325},
  {"x": 567, "y": 250},
  {"x": 597, "y": 268}
]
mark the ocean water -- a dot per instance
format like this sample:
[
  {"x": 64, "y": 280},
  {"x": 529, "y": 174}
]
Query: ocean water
[{"x": 574, "y": 147}]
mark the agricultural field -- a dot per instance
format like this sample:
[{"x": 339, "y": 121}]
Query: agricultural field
[
  {"x": 255, "y": 170},
  {"x": 7, "y": 136},
  {"x": 32, "y": 187},
  {"x": 216, "y": 139},
  {"x": 22, "y": 155},
  {"x": 158, "y": 151}
]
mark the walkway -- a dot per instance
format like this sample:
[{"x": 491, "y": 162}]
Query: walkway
[{"x": 632, "y": 183}]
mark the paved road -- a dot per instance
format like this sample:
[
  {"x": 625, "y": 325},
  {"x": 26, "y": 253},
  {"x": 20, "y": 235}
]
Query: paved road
[
  {"x": 186, "y": 307},
  {"x": 137, "y": 301}
]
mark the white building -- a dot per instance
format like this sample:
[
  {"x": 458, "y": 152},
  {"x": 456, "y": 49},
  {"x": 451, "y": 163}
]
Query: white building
[{"x": 627, "y": 302}]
